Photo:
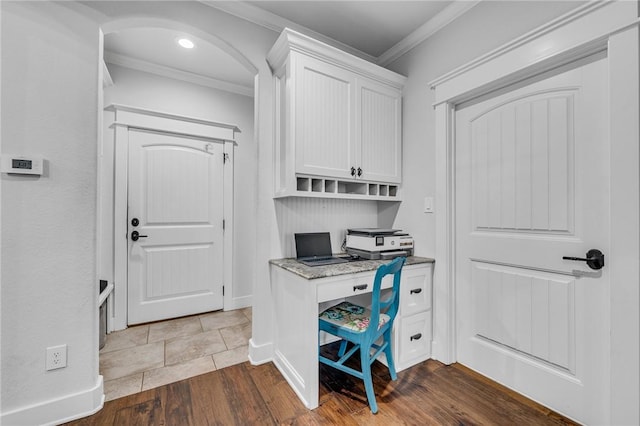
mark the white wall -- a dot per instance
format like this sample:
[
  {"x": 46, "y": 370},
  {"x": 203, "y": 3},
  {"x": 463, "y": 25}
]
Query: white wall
[
  {"x": 144, "y": 90},
  {"x": 49, "y": 290},
  {"x": 482, "y": 29},
  {"x": 50, "y": 57}
]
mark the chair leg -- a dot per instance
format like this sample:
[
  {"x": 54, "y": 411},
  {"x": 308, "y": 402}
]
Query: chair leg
[
  {"x": 343, "y": 348},
  {"x": 389, "y": 355},
  {"x": 368, "y": 381}
]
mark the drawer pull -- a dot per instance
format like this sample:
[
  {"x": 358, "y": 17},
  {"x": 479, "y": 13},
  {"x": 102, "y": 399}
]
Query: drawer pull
[
  {"x": 416, "y": 337},
  {"x": 360, "y": 287},
  {"x": 416, "y": 291}
]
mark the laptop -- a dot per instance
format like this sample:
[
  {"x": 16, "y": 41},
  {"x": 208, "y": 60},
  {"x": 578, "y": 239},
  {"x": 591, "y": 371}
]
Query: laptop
[{"x": 314, "y": 249}]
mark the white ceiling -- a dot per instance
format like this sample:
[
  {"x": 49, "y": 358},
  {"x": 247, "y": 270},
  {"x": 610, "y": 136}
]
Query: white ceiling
[{"x": 378, "y": 31}]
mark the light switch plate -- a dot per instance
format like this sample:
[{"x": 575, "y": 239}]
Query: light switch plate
[{"x": 428, "y": 204}]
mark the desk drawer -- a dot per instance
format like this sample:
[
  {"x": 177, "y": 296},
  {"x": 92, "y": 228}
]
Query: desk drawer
[
  {"x": 339, "y": 288},
  {"x": 415, "y": 290},
  {"x": 413, "y": 339}
]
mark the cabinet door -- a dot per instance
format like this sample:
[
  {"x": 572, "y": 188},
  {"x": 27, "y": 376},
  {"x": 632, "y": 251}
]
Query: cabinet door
[
  {"x": 379, "y": 131},
  {"x": 323, "y": 113}
]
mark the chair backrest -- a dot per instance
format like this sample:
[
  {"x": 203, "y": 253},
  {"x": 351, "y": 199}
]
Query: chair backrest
[{"x": 390, "y": 304}]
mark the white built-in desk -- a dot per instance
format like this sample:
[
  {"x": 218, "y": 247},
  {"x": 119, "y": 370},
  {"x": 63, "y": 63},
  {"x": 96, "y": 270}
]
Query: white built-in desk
[{"x": 300, "y": 292}]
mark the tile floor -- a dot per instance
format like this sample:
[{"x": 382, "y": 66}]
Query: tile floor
[{"x": 147, "y": 356}]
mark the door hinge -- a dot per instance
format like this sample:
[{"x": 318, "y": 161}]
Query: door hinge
[
  {"x": 223, "y": 224},
  {"x": 225, "y": 157},
  {"x": 223, "y": 290}
]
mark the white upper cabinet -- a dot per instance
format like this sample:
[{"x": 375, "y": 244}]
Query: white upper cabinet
[
  {"x": 379, "y": 118},
  {"x": 338, "y": 122},
  {"x": 321, "y": 111}
]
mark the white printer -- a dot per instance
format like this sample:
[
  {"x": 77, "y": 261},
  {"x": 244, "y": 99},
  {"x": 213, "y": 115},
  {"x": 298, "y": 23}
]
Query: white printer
[{"x": 378, "y": 243}]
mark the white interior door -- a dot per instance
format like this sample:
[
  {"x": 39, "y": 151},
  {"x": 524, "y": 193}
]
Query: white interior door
[
  {"x": 532, "y": 186},
  {"x": 176, "y": 195}
]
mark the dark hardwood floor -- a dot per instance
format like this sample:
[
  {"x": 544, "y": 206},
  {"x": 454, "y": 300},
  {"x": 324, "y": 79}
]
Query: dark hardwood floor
[{"x": 430, "y": 393}]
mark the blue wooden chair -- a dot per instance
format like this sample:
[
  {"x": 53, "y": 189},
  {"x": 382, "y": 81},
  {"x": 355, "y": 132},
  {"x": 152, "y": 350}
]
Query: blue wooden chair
[{"x": 364, "y": 327}]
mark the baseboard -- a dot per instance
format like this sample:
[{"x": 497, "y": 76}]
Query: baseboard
[
  {"x": 60, "y": 410},
  {"x": 239, "y": 303},
  {"x": 260, "y": 354}
]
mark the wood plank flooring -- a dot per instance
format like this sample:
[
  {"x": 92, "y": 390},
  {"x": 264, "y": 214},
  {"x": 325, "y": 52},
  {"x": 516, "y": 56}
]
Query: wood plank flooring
[{"x": 430, "y": 393}]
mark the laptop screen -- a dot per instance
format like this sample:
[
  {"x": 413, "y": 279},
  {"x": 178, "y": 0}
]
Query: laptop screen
[{"x": 313, "y": 244}]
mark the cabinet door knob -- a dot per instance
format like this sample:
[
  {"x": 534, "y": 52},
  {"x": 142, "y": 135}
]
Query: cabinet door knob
[
  {"x": 353, "y": 171},
  {"x": 359, "y": 171}
]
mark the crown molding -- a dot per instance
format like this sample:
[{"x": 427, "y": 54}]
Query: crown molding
[
  {"x": 164, "y": 71},
  {"x": 426, "y": 30},
  {"x": 277, "y": 24},
  {"x": 293, "y": 41}
]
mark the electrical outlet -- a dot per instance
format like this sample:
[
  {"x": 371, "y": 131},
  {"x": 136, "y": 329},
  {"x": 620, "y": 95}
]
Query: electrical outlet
[{"x": 56, "y": 357}]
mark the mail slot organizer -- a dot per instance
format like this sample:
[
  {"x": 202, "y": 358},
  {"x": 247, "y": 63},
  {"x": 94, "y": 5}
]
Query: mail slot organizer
[{"x": 321, "y": 187}]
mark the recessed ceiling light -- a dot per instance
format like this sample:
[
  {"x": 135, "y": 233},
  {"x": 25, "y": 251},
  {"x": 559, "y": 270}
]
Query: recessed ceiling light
[{"x": 186, "y": 43}]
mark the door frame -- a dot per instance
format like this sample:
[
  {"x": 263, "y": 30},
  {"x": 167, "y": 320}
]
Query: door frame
[
  {"x": 611, "y": 27},
  {"x": 125, "y": 118}
]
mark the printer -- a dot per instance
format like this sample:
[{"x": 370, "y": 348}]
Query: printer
[{"x": 378, "y": 243}]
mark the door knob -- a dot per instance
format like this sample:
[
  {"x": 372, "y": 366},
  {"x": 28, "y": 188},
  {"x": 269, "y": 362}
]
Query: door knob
[
  {"x": 135, "y": 235},
  {"x": 594, "y": 259}
]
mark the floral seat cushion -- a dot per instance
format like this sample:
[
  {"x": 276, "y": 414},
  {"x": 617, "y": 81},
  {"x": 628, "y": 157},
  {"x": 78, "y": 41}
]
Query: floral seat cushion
[{"x": 350, "y": 316}]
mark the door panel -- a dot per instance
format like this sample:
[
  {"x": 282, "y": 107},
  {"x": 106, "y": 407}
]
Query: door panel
[
  {"x": 175, "y": 191},
  {"x": 324, "y": 130},
  {"x": 379, "y": 131},
  {"x": 532, "y": 187}
]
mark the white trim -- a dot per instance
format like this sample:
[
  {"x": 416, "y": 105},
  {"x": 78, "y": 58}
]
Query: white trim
[
  {"x": 293, "y": 41},
  {"x": 173, "y": 73},
  {"x": 129, "y": 116},
  {"x": 277, "y": 24},
  {"x": 579, "y": 32},
  {"x": 260, "y": 354},
  {"x": 125, "y": 118},
  {"x": 609, "y": 25},
  {"x": 238, "y": 302},
  {"x": 229, "y": 158},
  {"x": 426, "y": 30},
  {"x": 625, "y": 226},
  {"x": 58, "y": 410}
]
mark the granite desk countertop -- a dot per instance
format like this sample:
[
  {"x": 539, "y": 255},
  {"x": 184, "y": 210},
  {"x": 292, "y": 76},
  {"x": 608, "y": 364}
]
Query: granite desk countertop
[{"x": 353, "y": 267}]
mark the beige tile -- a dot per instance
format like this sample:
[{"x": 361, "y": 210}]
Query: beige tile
[
  {"x": 123, "y": 386},
  {"x": 236, "y": 336},
  {"x": 182, "y": 349},
  {"x": 221, "y": 319},
  {"x": 174, "y": 373},
  {"x": 128, "y": 338},
  {"x": 248, "y": 312},
  {"x": 125, "y": 362},
  {"x": 180, "y": 327},
  {"x": 231, "y": 357}
]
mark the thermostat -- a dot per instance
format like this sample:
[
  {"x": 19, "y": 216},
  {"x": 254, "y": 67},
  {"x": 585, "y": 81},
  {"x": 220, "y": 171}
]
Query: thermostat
[{"x": 19, "y": 164}]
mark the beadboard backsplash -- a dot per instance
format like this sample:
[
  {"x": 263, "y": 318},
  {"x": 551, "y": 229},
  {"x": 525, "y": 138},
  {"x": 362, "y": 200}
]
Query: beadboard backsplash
[{"x": 301, "y": 214}]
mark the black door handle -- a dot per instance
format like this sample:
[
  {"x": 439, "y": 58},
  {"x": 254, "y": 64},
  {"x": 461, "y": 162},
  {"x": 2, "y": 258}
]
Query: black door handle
[
  {"x": 135, "y": 235},
  {"x": 594, "y": 259},
  {"x": 359, "y": 171},
  {"x": 353, "y": 171}
]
